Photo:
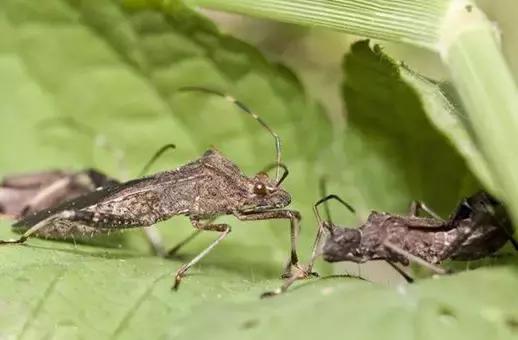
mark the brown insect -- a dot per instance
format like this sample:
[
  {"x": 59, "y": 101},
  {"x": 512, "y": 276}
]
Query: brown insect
[
  {"x": 23, "y": 194},
  {"x": 478, "y": 228},
  {"x": 202, "y": 190}
]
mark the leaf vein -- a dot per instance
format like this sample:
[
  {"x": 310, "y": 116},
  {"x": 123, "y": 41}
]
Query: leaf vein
[{"x": 37, "y": 309}]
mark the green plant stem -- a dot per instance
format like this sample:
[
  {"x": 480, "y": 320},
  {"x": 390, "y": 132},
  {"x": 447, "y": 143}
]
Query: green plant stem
[
  {"x": 472, "y": 53},
  {"x": 416, "y": 22}
]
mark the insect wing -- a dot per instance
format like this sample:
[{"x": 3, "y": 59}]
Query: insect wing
[{"x": 78, "y": 203}]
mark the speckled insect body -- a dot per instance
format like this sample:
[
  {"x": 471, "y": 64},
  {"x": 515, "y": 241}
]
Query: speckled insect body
[
  {"x": 478, "y": 228},
  {"x": 202, "y": 190}
]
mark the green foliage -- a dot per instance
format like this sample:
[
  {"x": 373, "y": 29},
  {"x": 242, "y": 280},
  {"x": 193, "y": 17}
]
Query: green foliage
[
  {"x": 63, "y": 292},
  {"x": 389, "y": 142},
  {"x": 115, "y": 69}
]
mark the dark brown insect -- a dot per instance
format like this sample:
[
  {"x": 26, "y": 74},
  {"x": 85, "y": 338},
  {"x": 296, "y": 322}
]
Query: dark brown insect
[
  {"x": 202, "y": 190},
  {"x": 478, "y": 228}
]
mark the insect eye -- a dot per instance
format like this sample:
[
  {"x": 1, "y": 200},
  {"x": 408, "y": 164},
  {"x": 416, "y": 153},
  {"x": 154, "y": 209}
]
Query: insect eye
[{"x": 260, "y": 189}]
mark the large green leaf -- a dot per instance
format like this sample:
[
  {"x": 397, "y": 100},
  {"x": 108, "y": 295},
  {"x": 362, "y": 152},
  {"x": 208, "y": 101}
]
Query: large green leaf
[
  {"x": 92, "y": 293},
  {"x": 335, "y": 308},
  {"x": 390, "y": 141},
  {"x": 116, "y": 69}
]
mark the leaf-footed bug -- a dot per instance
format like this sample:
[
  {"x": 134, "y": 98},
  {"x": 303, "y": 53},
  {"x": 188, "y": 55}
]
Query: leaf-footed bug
[
  {"x": 478, "y": 227},
  {"x": 202, "y": 190}
]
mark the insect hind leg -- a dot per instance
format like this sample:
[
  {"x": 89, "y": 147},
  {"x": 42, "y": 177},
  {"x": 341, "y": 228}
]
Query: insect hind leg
[
  {"x": 224, "y": 229},
  {"x": 38, "y": 226}
]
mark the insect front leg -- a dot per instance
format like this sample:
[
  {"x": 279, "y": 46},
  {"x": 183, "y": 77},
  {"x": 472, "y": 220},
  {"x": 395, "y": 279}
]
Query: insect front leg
[
  {"x": 418, "y": 206},
  {"x": 292, "y": 215},
  {"x": 299, "y": 274},
  {"x": 224, "y": 229}
]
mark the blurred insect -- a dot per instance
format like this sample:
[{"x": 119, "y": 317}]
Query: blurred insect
[
  {"x": 202, "y": 190},
  {"x": 23, "y": 194},
  {"x": 478, "y": 228}
]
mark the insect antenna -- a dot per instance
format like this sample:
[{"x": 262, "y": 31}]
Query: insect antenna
[
  {"x": 325, "y": 198},
  {"x": 153, "y": 159},
  {"x": 322, "y": 184},
  {"x": 277, "y": 165},
  {"x": 330, "y": 197},
  {"x": 328, "y": 223},
  {"x": 244, "y": 108}
]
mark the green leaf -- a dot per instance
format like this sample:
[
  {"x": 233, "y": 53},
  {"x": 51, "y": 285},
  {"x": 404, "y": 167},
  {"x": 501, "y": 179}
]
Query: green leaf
[
  {"x": 336, "y": 307},
  {"x": 442, "y": 107},
  {"x": 60, "y": 291},
  {"x": 115, "y": 69},
  {"x": 391, "y": 141}
]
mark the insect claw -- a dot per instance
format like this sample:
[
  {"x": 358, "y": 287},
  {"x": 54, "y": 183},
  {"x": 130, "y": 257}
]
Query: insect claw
[
  {"x": 13, "y": 241},
  {"x": 176, "y": 284},
  {"x": 271, "y": 293},
  {"x": 179, "y": 276}
]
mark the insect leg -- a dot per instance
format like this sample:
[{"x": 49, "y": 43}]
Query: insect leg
[
  {"x": 180, "y": 244},
  {"x": 300, "y": 274},
  {"x": 401, "y": 272},
  {"x": 154, "y": 239},
  {"x": 303, "y": 273},
  {"x": 320, "y": 231},
  {"x": 417, "y": 206},
  {"x": 416, "y": 259},
  {"x": 316, "y": 246},
  {"x": 43, "y": 223},
  {"x": 152, "y": 234},
  {"x": 224, "y": 229},
  {"x": 188, "y": 239},
  {"x": 292, "y": 215}
]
